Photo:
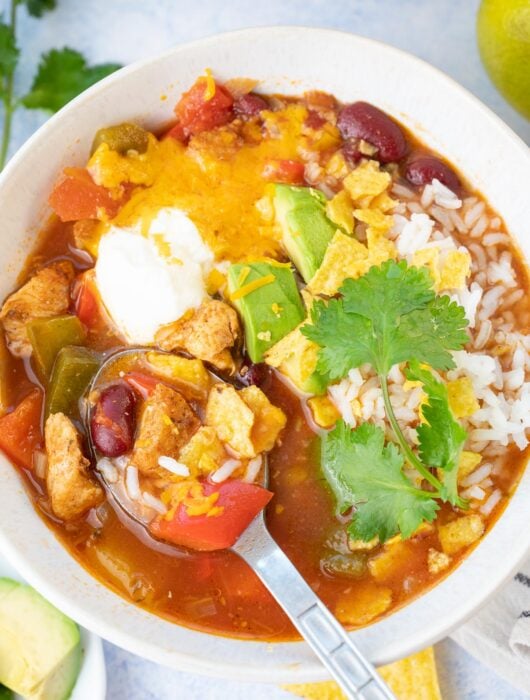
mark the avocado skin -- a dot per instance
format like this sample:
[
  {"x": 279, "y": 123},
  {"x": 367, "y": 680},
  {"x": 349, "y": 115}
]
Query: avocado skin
[
  {"x": 256, "y": 308},
  {"x": 306, "y": 230}
]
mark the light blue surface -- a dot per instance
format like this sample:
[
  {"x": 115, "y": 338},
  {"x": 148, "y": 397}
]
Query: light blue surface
[{"x": 440, "y": 31}]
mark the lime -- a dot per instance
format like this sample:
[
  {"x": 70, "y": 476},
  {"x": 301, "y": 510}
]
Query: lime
[{"x": 503, "y": 30}]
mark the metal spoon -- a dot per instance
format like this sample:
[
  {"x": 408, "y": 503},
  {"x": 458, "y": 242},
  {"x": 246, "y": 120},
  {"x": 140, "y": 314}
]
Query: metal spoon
[{"x": 320, "y": 629}]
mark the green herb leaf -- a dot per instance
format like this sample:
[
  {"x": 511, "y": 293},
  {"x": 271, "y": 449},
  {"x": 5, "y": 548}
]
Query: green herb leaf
[
  {"x": 37, "y": 8},
  {"x": 61, "y": 76},
  {"x": 387, "y": 316},
  {"x": 441, "y": 437},
  {"x": 8, "y": 50},
  {"x": 365, "y": 473}
]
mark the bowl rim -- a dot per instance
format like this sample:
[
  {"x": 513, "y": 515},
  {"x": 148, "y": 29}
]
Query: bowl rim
[{"x": 445, "y": 622}]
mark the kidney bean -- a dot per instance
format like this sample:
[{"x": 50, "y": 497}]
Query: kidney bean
[
  {"x": 422, "y": 170},
  {"x": 364, "y": 121},
  {"x": 250, "y": 105},
  {"x": 254, "y": 374},
  {"x": 314, "y": 120},
  {"x": 113, "y": 420},
  {"x": 351, "y": 152}
]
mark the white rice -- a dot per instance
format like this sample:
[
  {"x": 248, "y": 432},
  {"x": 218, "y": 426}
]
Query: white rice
[
  {"x": 107, "y": 470},
  {"x": 173, "y": 466},
  {"x": 253, "y": 469},
  {"x": 477, "y": 475},
  {"x": 491, "y": 502},
  {"x": 154, "y": 502},
  {"x": 225, "y": 471},
  {"x": 132, "y": 483}
]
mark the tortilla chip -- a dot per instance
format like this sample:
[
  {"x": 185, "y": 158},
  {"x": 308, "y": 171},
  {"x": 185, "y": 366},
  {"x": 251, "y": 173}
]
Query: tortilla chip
[
  {"x": 462, "y": 400},
  {"x": 189, "y": 372},
  {"x": 204, "y": 453},
  {"x": 455, "y": 270},
  {"x": 366, "y": 182},
  {"x": 324, "y": 411},
  {"x": 344, "y": 257},
  {"x": 231, "y": 418},
  {"x": 340, "y": 210},
  {"x": 269, "y": 420},
  {"x": 374, "y": 218},
  {"x": 429, "y": 258},
  {"x": 380, "y": 248},
  {"x": 363, "y": 604},
  {"x": 468, "y": 462},
  {"x": 295, "y": 356},
  {"x": 413, "y": 678},
  {"x": 460, "y": 533}
]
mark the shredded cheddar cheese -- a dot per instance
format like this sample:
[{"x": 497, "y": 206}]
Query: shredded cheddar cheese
[{"x": 251, "y": 287}]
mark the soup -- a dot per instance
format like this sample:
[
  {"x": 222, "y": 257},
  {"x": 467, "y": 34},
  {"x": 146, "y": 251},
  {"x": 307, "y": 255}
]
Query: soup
[{"x": 314, "y": 290}]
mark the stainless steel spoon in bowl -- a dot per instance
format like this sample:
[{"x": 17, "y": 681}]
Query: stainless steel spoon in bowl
[{"x": 320, "y": 629}]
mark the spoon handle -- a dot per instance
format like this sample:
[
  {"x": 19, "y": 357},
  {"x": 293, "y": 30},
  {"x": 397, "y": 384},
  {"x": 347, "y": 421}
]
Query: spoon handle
[{"x": 321, "y": 630}]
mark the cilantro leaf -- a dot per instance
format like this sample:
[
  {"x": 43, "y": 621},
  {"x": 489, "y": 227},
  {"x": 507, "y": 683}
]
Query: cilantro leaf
[
  {"x": 387, "y": 316},
  {"x": 441, "y": 437},
  {"x": 61, "y": 76},
  {"x": 365, "y": 473},
  {"x": 37, "y": 8},
  {"x": 8, "y": 50},
  {"x": 333, "y": 329}
]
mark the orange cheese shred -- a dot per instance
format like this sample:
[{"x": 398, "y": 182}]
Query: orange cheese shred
[{"x": 251, "y": 287}]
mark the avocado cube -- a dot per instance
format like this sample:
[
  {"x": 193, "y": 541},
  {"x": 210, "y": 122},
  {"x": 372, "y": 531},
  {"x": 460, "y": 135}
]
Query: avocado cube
[
  {"x": 40, "y": 653},
  {"x": 265, "y": 294},
  {"x": 306, "y": 230}
]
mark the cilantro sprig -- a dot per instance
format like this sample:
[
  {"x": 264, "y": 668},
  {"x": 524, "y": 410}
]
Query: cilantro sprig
[
  {"x": 62, "y": 74},
  {"x": 388, "y": 316},
  {"x": 367, "y": 474},
  {"x": 441, "y": 437}
]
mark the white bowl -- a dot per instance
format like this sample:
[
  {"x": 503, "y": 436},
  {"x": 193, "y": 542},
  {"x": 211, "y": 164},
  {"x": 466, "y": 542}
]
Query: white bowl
[
  {"x": 289, "y": 60},
  {"x": 91, "y": 683}
]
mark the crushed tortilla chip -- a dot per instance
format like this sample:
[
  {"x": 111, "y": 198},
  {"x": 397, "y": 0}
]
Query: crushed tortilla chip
[
  {"x": 437, "y": 561},
  {"x": 340, "y": 210},
  {"x": 380, "y": 248},
  {"x": 468, "y": 462},
  {"x": 383, "y": 202},
  {"x": 324, "y": 412},
  {"x": 429, "y": 258},
  {"x": 412, "y": 678},
  {"x": 392, "y": 560},
  {"x": 344, "y": 257},
  {"x": 460, "y": 533},
  {"x": 204, "y": 453},
  {"x": 366, "y": 182},
  {"x": 269, "y": 420},
  {"x": 363, "y": 603},
  {"x": 455, "y": 270},
  {"x": 375, "y": 218},
  {"x": 336, "y": 166},
  {"x": 190, "y": 374},
  {"x": 245, "y": 420},
  {"x": 462, "y": 400},
  {"x": 295, "y": 356}
]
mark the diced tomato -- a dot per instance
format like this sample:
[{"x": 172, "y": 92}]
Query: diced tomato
[
  {"x": 241, "y": 503},
  {"x": 198, "y": 110},
  {"x": 288, "y": 171},
  {"x": 176, "y": 132},
  {"x": 77, "y": 196},
  {"x": 144, "y": 384},
  {"x": 86, "y": 300},
  {"x": 20, "y": 430}
]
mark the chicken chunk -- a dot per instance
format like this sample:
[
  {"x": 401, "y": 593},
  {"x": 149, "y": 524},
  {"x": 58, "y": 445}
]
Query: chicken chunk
[
  {"x": 166, "y": 425},
  {"x": 46, "y": 294},
  {"x": 208, "y": 335},
  {"x": 71, "y": 489}
]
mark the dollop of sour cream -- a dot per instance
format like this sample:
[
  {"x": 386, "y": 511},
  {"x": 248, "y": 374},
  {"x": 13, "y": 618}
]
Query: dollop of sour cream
[{"x": 147, "y": 280}]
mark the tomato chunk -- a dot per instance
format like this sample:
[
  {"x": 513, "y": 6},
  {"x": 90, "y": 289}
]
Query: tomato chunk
[
  {"x": 241, "y": 503},
  {"x": 86, "y": 300},
  {"x": 207, "y": 104},
  {"x": 77, "y": 196},
  {"x": 176, "y": 132},
  {"x": 288, "y": 171},
  {"x": 20, "y": 430},
  {"x": 143, "y": 384}
]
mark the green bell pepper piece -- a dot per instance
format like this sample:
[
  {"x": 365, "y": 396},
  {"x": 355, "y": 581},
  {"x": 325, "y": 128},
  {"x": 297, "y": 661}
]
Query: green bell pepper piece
[
  {"x": 72, "y": 372},
  {"x": 48, "y": 335}
]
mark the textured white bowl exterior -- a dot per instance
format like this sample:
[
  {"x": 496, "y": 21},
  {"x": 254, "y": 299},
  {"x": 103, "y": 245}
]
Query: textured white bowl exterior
[{"x": 288, "y": 60}]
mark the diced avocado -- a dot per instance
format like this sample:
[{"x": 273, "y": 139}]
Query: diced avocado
[
  {"x": 306, "y": 230},
  {"x": 265, "y": 294},
  {"x": 59, "y": 685},
  {"x": 39, "y": 646}
]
